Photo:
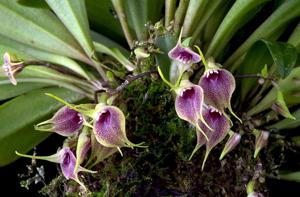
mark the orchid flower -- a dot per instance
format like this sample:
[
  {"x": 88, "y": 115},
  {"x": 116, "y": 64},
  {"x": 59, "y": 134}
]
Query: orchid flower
[
  {"x": 67, "y": 160},
  {"x": 11, "y": 68},
  {"x": 109, "y": 127},
  {"x": 65, "y": 122},
  {"x": 183, "y": 57}
]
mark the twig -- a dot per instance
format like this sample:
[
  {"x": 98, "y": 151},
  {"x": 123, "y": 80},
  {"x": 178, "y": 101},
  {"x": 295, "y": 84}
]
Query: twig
[{"x": 130, "y": 79}]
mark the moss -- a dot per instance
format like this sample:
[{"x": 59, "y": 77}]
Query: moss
[{"x": 163, "y": 168}]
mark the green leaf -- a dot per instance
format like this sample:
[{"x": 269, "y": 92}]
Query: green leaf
[
  {"x": 20, "y": 114},
  {"x": 280, "y": 106},
  {"x": 34, "y": 3},
  {"x": 38, "y": 28},
  {"x": 186, "y": 42},
  {"x": 284, "y": 56},
  {"x": 290, "y": 87},
  {"x": 239, "y": 14},
  {"x": 103, "y": 19},
  {"x": 8, "y": 90},
  {"x": 264, "y": 72},
  {"x": 264, "y": 52},
  {"x": 290, "y": 176},
  {"x": 73, "y": 15},
  {"x": 165, "y": 44},
  {"x": 109, "y": 43},
  {"x": 26, "y": 52},
  {"x": 114, "y": 52},
  {"x": 141, "y": 12},
  {"x": 287, "y": 123},
  {"x": 271, "y": 28},
  {"x": 294, "y": 38}
]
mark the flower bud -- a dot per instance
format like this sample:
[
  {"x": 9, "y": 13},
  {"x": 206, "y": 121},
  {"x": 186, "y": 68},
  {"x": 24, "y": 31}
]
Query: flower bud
[
  {"x": 83, "y": 146},
  {"x": 261, "y": 140},
  {"x": 67, "y": 160},
  {"x": 218, "y": 86},
  {"x": 231, "y": 143},
  {"x": 99, "y": 152},
  {"x": 280, "y": 106},
  {"x": 11, "y": 68},
  {"x": 65, "y": 122},
  {"x": 109, "y": 127}
]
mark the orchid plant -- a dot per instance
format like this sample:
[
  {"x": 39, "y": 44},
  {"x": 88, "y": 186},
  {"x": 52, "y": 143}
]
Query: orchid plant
[{"x": 136, "y": 88}]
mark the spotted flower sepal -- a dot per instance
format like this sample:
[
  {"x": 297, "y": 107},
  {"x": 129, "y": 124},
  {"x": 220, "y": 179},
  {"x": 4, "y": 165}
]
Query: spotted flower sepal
[
  {"x": 87, "y": 110},
  {"x": 220, "y": 126},
  {"x": 65, "y": 122},
  {"x": 261, "y": 140},
  {"x": 83, "y": 146},
  {"x": 67, "y": 160},
  {"x": 109, "y": 128},
  {"x": 99, "y": 152},
  {"x": 218, "y": 86},
  {"x": 233, "y": 140},
  {"x": 11, "y": 68},
  {"x": 182, "y": 58},
  {"x": 189, "y": 104}
]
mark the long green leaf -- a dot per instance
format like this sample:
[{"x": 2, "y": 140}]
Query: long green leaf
[
  {"x": 139, "y": 13},
  {"x": 239, "y": 14},
  {"x": 290, "y": 176},
  {"x": 294, "y": 39},
  {"x": 114, "y": 52},
  {"x": 73, "y": 14},
  {"x": 103, "y": 19},
  {"x": 8, "y": 90},
  {"x": 287, "y": 123},
  {"x": 278, "y": 19},
  {"x": 28, "y": 53},
  {"x": 38, "y": 28},
  {"x": 20, "y": 114}
]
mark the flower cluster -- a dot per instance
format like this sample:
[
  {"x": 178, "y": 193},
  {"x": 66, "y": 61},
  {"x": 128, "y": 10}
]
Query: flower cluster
[
  {"x": 98, "y": 130},
  {"x": 204, "y": 104}
]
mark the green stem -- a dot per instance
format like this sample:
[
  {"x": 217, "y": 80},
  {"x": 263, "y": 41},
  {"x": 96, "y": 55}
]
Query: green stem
[
  {"x": 202, "y": 57},
  {"x": 164, "y": 79},
  {"x": 180, "y": 14},
  {"x": 170, "y": 6},
  {"x": 119, "y": 7}
]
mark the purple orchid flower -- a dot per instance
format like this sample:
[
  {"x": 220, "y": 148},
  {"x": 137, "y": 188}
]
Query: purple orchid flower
[
  {"x": 109, "y": 127},
  {"x": 218, "y": 86},
  {"x": 11, "y": 68},
  {"x": 189, "y": 103},
  {"x": 67, "y": 160},
  {"x": 183, "y": 58},
  {"x": 220, "y": 126},
  {"x": 231, "y": 143},
  {"x": 65, "y": 122}
]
